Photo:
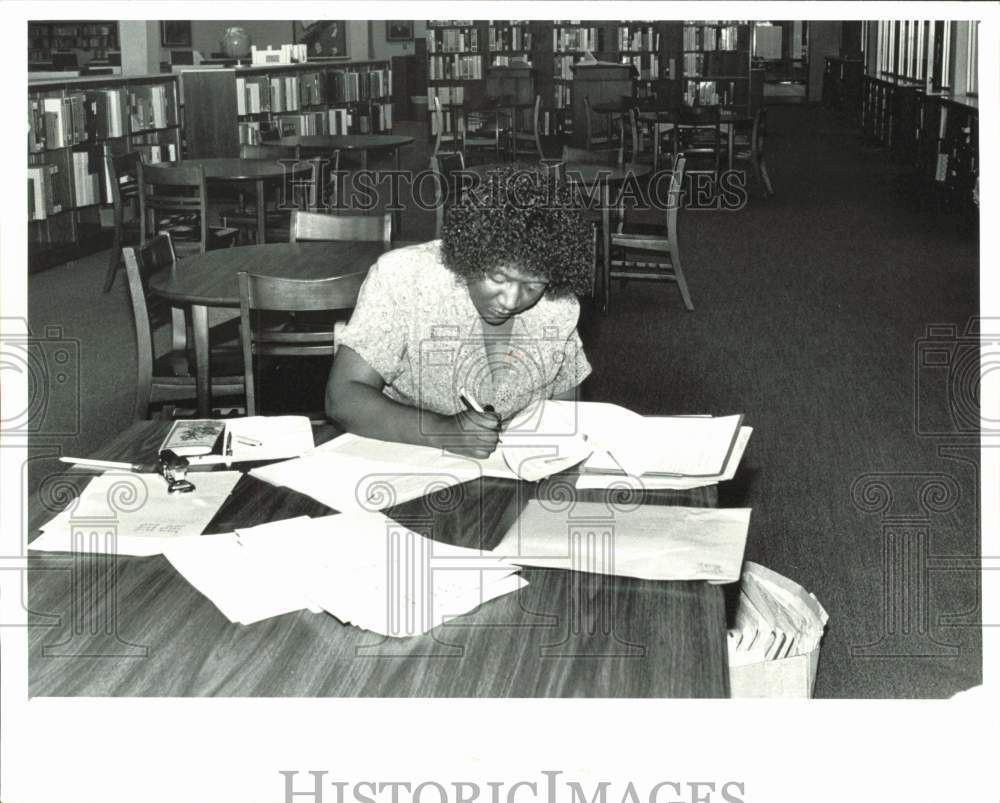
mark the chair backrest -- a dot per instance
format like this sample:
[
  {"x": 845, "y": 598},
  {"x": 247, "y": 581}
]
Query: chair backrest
[
  {"x": 171, "y": 190},
  {"x": 675, "y": 199},
  {"x": 119, "y": 167},
  {"x": 445, "y": 166},
  {"x": 141, "y": 264},
  {"x": 631, "y": 135},
  {"x": 306, "y": 226},
  {"x": 438, "y": 119},
  {"x": 290, "y": 295}
]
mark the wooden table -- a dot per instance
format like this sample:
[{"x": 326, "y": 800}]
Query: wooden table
[
  {"x": 729, "y": 119},
  {"x": 209, "y": 280},
  {"x": 325, "y": 144},
  {"x": 241, "y": 172},
  {"x": 123, "y": 626}
]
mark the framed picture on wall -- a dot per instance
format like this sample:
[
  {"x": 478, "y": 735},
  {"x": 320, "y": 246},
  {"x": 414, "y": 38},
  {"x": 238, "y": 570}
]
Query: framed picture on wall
[
  {"x": 175, "y": 33},
  {"x": 399, "y": 30},
  {"x": 326, "y": 38}
]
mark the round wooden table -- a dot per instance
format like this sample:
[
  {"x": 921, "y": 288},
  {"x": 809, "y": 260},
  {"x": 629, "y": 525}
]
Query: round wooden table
[
  {"x": 359, "y": 143},
  {"x": 259, "y": 172},
  {"x": 209, "y": 280},
  {"x": 658, "y": 115}
]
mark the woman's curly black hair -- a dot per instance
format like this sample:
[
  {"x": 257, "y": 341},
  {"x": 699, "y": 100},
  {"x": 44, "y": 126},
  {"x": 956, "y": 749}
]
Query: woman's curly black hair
[{"x": 521, "y": 216}]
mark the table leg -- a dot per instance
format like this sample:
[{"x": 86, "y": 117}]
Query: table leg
[
  {"x": 261, "y": 224},
  {"x": 203, "y": 387},
  {"x": 397, "y": 217},
  {"x": 606, "y": 242}
]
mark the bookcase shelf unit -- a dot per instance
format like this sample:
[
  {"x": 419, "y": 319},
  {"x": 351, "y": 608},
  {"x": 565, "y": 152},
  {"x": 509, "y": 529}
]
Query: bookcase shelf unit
[
  {"x": 46, "y": 37},
  {"x": 224, "y": 108},
  {"x": 72, "y": 124},
  {"x": 716, "y": 64},
  {"x": 719, "y": 69},
  {"x": 935, "y": 133}
]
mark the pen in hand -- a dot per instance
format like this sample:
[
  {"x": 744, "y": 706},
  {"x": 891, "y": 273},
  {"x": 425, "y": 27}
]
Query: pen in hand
[{"x": 472, "y": 404}]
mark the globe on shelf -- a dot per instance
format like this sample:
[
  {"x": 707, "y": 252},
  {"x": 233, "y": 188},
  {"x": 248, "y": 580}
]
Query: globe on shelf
[{"x": 235, "y": 43}]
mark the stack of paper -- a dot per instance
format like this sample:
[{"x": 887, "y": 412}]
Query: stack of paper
[
  {"x": 653, "y": 542},
  {"x": 775, "y": 619},
  {"x": 544, "y": 439},
  {"x": 363, "y": 568},
  {"x": 124, "y": 513}
]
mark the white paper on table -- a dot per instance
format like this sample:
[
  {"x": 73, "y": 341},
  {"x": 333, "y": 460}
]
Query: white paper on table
[
  {"x": 244, "y": 588},
  {"x": 356, "y": 474},
  {"x": 544, "y": 439},
  {"x": 653, "y": 542},
  {"x": 127, "y": 513},
  {"x": 368, "y": 570},
  {"x": 651, "y": 482},
  {"x": 279, "y": 436},
  {"x": 684, "y": 446}
]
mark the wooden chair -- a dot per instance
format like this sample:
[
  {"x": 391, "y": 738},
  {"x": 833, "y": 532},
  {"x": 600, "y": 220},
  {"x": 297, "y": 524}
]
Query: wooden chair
[
  {"x": 654, "y": 255},
  {"x": 174, "y": 198},
  {"x": 697, "y": 136},
  {"x": 308, "y": 226},
  {"x": 123, "y": 183},
  {"x": 440, "y": 135},
  {"x": 532, "y": 139},
  {"x": 446, "y": 189},
  {"x": 485, "y": 131},
  {"x": 167, "y": 377},
  {"x": 750, "y": 150},
  {"x": 274, "y": 295},
  {"x": 597, "y": 141}
]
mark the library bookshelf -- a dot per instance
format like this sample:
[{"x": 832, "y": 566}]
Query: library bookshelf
[
  {"x": 44, "y": 38},
  {"x": 692, "y": 62},
  {"x": 72, "y": 124},
  {"x": 224, "y": 108}
]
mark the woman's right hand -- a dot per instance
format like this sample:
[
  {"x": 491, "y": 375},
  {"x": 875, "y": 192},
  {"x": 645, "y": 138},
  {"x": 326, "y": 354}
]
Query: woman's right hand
[{"x": 472, "y": 434}]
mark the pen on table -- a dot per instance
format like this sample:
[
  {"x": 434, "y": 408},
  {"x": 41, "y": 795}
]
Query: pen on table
[
  {"x": 86, "y": 463},
  {"x": 248, "y": 441}
]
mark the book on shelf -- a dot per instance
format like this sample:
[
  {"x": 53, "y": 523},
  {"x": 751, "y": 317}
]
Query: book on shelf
[
  {"x": 644, "y": 37},
  {"x": 151, "y": 107},
  {"x": 339, "y": 121},
  {"x": 253, "y": 95},
  {"x": 65, "y": 121},
  {"x": 284, "y": 93},
  {"x": 564, "y": 39},
  {"x": 452, "y": 40},
  {"x": 455, "y": 68},
  {"x": 86, "y": 178},
  {"x": 647, "y": 66},
  {"x": 36, "y": 125},
  {"x": 105, "y": 119},
  {"x": 42, "y": 183}
]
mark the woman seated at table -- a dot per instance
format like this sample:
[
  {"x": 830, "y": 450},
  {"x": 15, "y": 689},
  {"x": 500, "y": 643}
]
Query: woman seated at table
[{"x": 490, "y": 311}]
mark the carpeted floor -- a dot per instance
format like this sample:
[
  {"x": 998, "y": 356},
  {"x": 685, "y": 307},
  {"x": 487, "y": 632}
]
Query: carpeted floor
[{"x": 810, "y": 310}]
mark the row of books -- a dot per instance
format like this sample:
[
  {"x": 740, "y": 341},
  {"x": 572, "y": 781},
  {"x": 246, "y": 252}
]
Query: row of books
[
  {"x": 719, "y": 62},
  {"x": 455, "y": 68},
  {"x": 563, "y": 66},
  {"x": 647, "y": 65},
  {"x": 710, "y": 93},
  {"x": 446, "y": 95},
  {"x": 41, "y": 191},
  {"x": 512, "y": 38},
  {"x": 564, "y": 39},
  {"x": 87, "y": 169},
  {"x": 284, "y": 93},
  {"x": 708, "y": 37},
  {"x": 504, "y": 59},
  {"x": 56, "y": 122},
  {"x": 453, "y": 41},
  {"x": 562, "y": 96},
  {"x": 642, "y": 38},
  {"x": 152, "y": 107}
]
